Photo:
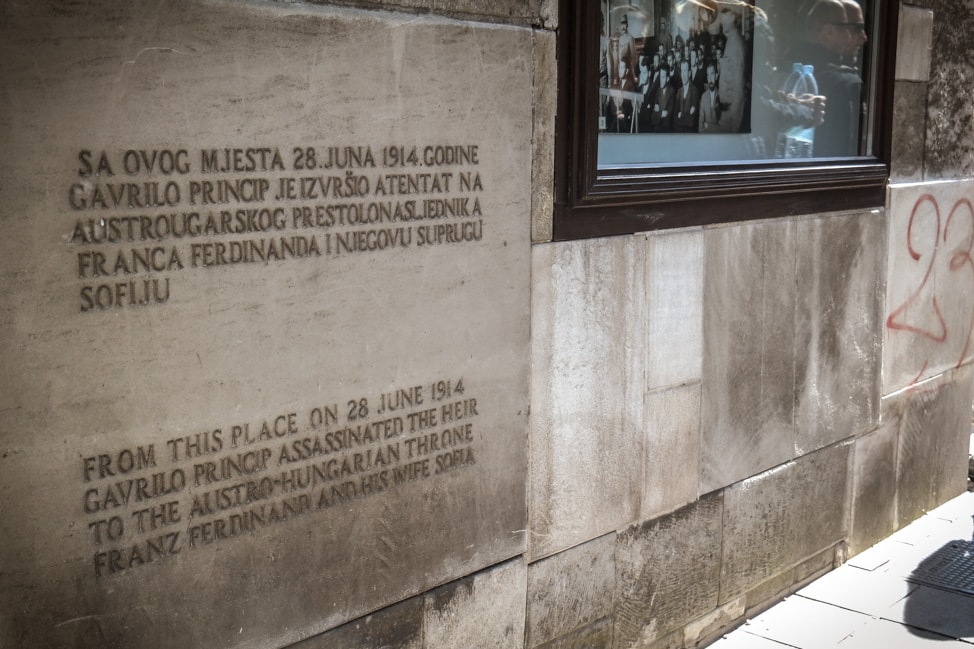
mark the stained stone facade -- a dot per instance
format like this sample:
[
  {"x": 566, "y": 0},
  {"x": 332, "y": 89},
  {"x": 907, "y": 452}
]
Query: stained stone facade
[{"x": 627, "y": 442}]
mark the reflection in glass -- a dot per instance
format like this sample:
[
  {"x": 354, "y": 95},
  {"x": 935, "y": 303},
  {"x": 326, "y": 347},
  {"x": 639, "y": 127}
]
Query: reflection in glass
[{"x": 725, "y": 80}]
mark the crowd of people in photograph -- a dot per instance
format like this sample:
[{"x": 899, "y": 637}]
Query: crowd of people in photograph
[{"x": 713, "y": 66}]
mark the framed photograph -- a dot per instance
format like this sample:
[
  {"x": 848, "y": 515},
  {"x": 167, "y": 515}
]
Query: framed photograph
[{"x": 681, "y": 112}]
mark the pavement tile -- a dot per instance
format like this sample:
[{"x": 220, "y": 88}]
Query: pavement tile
[
  {"x": 741, "y": 639},
  {"x": 867, "y": 592},
  {"x": 960, "y": 511},
  {"x": 881, "y": 634},
  {"x": 940, "y": 611},
  {"x": 868, "y": 602},
  {"x": 925, "y": 531},
  {"x": 806, "y": 623},
  {"x": 879, "y": 555}
]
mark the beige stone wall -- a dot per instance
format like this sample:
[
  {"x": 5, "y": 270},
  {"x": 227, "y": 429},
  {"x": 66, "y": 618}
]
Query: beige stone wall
[
  {"x": 717, "y": 414},
  {"x": 806, "y": 389},
  {"x": 721, "y": 414}
]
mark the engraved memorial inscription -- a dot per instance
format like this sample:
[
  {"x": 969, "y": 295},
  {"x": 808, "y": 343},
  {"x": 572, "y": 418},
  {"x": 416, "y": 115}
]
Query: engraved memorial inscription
[
  {"x": 151, "y": 502},
  {"x": 266, "y": 317},
  {"x": 147, "y": 215}
]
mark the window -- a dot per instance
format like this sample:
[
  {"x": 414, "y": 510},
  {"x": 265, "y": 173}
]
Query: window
[{"x": 684, "y": 112}]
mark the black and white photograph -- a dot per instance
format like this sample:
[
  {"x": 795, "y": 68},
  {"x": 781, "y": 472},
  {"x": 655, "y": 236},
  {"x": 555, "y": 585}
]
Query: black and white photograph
[
  {"x": 674, "y": 66},
  {"x": 783, "y": 76}
]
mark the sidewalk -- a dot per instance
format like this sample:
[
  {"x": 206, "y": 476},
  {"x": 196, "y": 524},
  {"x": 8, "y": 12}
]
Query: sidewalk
[{"x": 868, "y": 603}]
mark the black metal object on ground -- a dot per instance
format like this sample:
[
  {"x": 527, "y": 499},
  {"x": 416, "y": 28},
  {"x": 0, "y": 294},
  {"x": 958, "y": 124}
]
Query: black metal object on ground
[{"x": 950, "y": 568}]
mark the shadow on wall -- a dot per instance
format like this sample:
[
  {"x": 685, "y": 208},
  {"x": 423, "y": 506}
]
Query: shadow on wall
[{"x": 943, "y": 602}]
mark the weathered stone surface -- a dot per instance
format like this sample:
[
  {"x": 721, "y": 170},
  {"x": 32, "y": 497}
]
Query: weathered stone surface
[
  {"x": 914, "y": 41},
  {"x": 950, "y": 121},
  {"x": 838, "y": 327},
  {"x": 570, "y": 589},
  {"x": 762, "y": 596},
  {"x": 748, "y": 385},
  {"x": 771, "y": 591},
  {"x": 597, "y": 635},
  {"x": 672, "y": 640},
  {"x": 714, "y": 623},
  {"x": 824, "y": 561},
  {"x": 672, "y": 453},
  {"x": 532, "y": 12},
  {"x": 674, "y": 270},
  {"x": 874, "y": 497},
  {"x": 520, "y": 12},
  {"x": 484, "y": 611},
  {"x": 934, "y": 435},
  {"x": 909, "y": 131},
  {"x": 542, "y": 160},
  {"x": 930, "y": 280},
  {"x": 777, "y": 519},
  {"x": 588, "y": 328},
  {"x": 399, "y": 626},
  {"x": 666, "y": 572},
  {"x": 116, "y": 113}
]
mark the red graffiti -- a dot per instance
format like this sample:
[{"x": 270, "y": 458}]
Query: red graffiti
[{"x": 948, "y": 251}]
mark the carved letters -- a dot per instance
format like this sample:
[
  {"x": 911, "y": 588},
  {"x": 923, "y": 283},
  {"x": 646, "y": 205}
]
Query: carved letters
[
  {"x": 156, "y": 500},
  {"x": 143, "y": 217}
]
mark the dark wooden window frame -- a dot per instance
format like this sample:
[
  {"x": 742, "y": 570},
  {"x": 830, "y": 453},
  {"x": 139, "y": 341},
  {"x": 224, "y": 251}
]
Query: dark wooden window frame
[{"x": 593, "y": 202}]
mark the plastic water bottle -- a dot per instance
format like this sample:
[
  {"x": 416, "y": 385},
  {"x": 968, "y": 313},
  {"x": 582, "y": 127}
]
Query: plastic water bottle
[
  {"x": 781, "y": 148},
  {"x": 807, "y": 136},
  {"x": 796, "y": 73},
  {"x": 800, "y": 141}
]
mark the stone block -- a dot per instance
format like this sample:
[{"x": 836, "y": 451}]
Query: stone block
[
  {"x": 909, "y": 131},
  {"x": 933, "y": 440},
  {"x": 672, "y": 454},
  {"x": 674, "y": 270},
  {"x": 532, "y": 12},
  {"x": 250, "y": 251},
  {"x": 483, "y": 611},
  {"x": 930, "y": 282},
  {"x": 748, "y": 384},
  {"x": 950, "y": 122},
  {"x": 597, "y": 635},
  {"x": 707, "y": 627},
  {"x": 778, "y": 519},
  {"x": 542, "y": 160},
  {"x": 914, "y": 40},
  {"x": 838, "y": 327},
  {"x": 570, "y": 589},
  {"x": 672, "y": 640},
  {"x": 588, "y": 315},
  {"x": 874, "y": 491},
  {"x": 771, "y": 591},
  {"x": 666, "y": 572},
  {"x": 399, "y": 626}
]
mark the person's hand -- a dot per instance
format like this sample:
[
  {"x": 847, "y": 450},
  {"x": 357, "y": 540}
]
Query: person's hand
[
  {"x": 818, "y": 110},
  {"x": 814, "y": 103}
]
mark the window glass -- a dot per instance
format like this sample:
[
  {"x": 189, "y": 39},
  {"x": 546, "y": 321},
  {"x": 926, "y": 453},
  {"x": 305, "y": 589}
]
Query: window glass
[{"x": 697, "y": 81}]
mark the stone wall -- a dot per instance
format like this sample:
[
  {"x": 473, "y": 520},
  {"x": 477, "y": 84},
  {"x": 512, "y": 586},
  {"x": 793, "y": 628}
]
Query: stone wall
[
  {"x": 805, "y": 388},
  {"x": 717, "y": 414}
]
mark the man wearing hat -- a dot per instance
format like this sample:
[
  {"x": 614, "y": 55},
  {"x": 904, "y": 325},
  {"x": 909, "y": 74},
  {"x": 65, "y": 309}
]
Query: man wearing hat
[{"x": 627, "y": 45}]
